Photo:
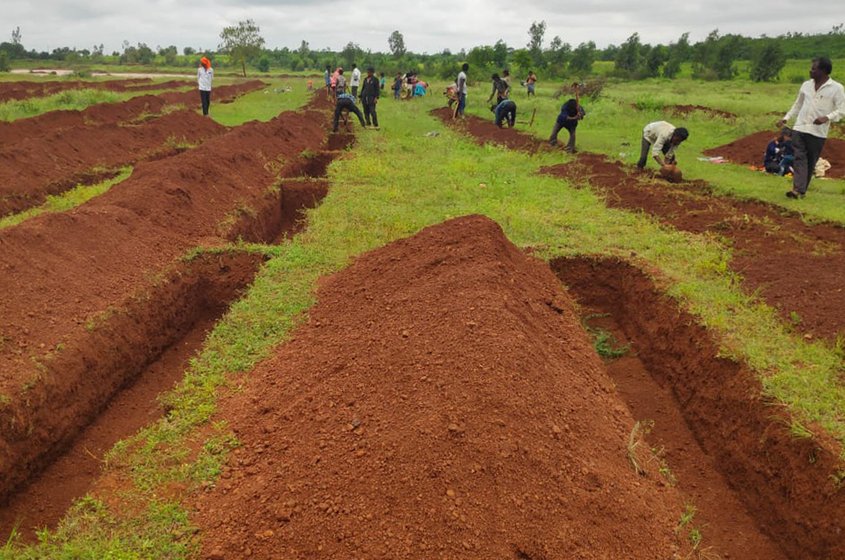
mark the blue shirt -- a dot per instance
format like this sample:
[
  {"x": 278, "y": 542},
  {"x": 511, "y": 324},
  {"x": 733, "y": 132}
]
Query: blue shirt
[{"x": 348, "y": 96}]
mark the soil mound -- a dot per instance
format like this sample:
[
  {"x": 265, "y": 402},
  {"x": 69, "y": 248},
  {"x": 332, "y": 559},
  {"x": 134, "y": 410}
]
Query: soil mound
[
  {"x": 685, "y": 110},
  {"x": 10, "y": 91},
  {"x": 486, "y": 132},
  {"x": 141, "y": 107},
  {"x": 749, "y": 150},
  {"x": 773, "y": 249},
  {"x": 73, "y": 272},
  {"x": 55, "y": 162},
  {"x": 442, "y": 401}
]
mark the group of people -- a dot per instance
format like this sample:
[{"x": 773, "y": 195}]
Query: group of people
[{"x": 820, "y": 101}]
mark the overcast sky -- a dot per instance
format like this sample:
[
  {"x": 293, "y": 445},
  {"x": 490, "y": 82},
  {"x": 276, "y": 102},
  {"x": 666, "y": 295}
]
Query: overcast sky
[{"x": 428, "y": 26}]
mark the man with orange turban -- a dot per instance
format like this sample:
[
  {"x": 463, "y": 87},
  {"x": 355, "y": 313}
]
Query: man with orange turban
[{"x": 205, "y": 73}]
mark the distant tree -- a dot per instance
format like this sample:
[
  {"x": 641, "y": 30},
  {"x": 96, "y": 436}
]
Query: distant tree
[
  {"x": 264, "y": 64},
  {"x": 304, "y": 49},
  {"x": 145, "y": 54},
  {"x": 558, "y": 54},
  {"x": 535, "y": 44},
  {"x": 188, "y": 51},
  {"x": 169, "y": 54},
  {"x": 500, "y": 54},
  {"x": 581, "y": 63},
  {"x": 241, "y": 42},
  {"x": 628, "y": 57},
  {"x": 16, "y": 35},
  {"x": 654, "y": 59},
  {"x": 679, "y": 53},
  {"x": 396, "y": 42},
  {"x": 523, "y": 59},
  {"x": 351, "y": 53},
  {"x": 4, "y": 62},
  {"x": 768, "y": 61}
]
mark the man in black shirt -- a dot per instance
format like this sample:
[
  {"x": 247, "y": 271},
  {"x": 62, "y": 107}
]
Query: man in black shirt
[
  {"x": 570, "y": 113},
  {"x": 369, "y": 96}
]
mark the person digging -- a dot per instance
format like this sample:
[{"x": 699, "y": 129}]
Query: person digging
[
  {"x": 570, "y": 113},
  {"x": 503, "y": 112},
  {"x": 662, "y": 138},
  {"x": 346, "y": 102}
]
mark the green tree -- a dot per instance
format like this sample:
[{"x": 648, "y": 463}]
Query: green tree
[
  {"x": 535, "y": 44},
  {"x": 500, "y": 54},
  {"x": 351, "y": 53},
  {"x": 188, "y": 51},
  {"x": 628, "y": 57},
  {"x": 4, "y": 61},
  {"x": 396, "y": 42},
  {"x": 654, "y": 59},
  {"x": 679, "y": 53},
  {"x": 241, "y": 42},
  {"x": 768, "y": 61},
  {"x": 581, "y": 63},
  {"x": 264, "y": 64},
  {"x": 16, "y": 35},
  {"x": 522, "y": 58}
]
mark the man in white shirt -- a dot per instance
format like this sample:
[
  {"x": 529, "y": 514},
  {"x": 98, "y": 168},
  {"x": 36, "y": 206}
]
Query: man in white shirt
[
  {"x": 462, "y": 90},
  {"x": 820, "y": 102},
  {"x": 661, "y": 138},
  {"x": 356, "y": 80}
]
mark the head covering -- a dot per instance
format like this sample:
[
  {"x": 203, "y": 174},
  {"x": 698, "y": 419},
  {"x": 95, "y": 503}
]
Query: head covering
[{"x": 205, "y": 63}]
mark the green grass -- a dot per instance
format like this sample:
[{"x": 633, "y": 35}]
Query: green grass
[
  {"x": 613, "y": 126},
  {"x": 67, "y": 200},
  {"x": 263, "y": 105},
  {"x": 395, "y": 182}
]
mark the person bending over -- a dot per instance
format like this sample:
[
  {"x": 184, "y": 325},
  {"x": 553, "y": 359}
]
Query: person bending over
[
  {"x": 661, "y": 138},
  {"x": 570, "y": 113},
  {"x": 779, "y": 154},
  {"x": 346, "y": 101},
  {"x": 505, "y": 111}
]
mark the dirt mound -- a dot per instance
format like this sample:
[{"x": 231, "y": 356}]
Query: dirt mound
[
  {"x": 442, "y": 401},
  {"x": 144, "y": 106},
  {"x": 773, "y": 249},
  {"x": 10, "y": 91},
  {"x": 53, "y": 163},
  {"x": 685, "y": 110},
  {"x": 73, "y": 272},
  {"x": 749, "y": 150},
  {"x": 486, "y": 132}
]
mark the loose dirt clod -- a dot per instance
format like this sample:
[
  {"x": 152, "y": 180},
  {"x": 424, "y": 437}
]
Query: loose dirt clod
[{"x": 455, "y": 453}]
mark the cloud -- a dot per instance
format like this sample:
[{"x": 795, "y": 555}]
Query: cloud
[{"x": 429, "y": 27}]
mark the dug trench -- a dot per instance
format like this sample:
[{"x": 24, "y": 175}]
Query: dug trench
[
  {"x": 761, "y": 493},
  {"x": 132, "y": 357},
  {"x": 773, "y": 248},
  {"x": 81, "y": 373},
  {"x": 443, "y": 400}
]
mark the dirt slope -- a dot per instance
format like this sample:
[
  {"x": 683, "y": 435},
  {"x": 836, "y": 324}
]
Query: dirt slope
[
  {"x": 749, "y": 150},
  {"x": 442, "y": 401}
]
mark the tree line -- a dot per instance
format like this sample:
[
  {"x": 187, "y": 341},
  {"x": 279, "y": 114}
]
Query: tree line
[{"x": 242, "y": 46}]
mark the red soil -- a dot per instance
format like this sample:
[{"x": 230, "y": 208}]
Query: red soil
[
  {"x": 54, "y": 162},
  {"x": 485, "y": 132},
  {"x": 81, "y": 268},
  {"x": 750, "y": 149},
  {"x": 773, "y": 249},
  {"x": 25, "y": 89},
  {"x": 105, "y": 113},
  {"x": 211, "y": 282},
  {"x": 442, "y": 401},
  {"x": 685, "y": 110},
  {"x": 780, "y": 485}
]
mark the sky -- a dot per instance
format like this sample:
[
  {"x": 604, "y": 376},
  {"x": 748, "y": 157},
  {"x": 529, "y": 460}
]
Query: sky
[{"x": 427, "y": 26}]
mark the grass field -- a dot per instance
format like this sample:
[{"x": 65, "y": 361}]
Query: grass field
[{"x": 399, "y": 179}]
